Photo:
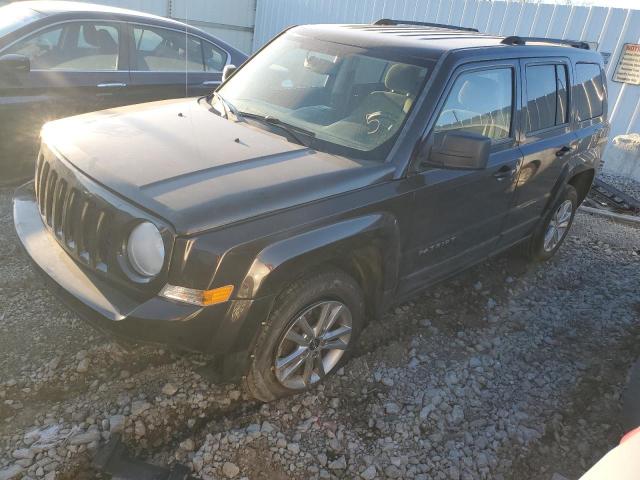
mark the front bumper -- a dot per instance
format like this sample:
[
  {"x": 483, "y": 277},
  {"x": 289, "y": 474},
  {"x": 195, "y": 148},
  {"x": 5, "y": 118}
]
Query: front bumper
[{"x": 221, "y": 329}]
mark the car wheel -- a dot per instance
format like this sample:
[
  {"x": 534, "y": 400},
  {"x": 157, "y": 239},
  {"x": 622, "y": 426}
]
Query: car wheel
[
  {"x": 554, "y": 228},
  {"x": 309, "y": 334}
]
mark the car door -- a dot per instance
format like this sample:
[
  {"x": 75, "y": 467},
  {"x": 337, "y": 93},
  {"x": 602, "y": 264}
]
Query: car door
[
  {"x": 547, "y": 143},
  {"x": 169, "y": 63},
  {"x": 75, "y": 67},
  {"x": 458, "y": 214}
]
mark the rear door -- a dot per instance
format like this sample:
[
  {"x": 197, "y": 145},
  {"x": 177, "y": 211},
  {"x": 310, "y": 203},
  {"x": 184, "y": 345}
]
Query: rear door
[
  {"x": 548, "y": 141},
  {"x": 76, "y": 67},
  {"x": 458, "y": 214},
  {"x": 169, "y": 63}
]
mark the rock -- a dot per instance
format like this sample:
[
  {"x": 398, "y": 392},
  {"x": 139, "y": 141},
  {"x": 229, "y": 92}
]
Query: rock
[
  {"x": 11, "y": 472},
  {"x": 83, "y": 366},
  {"x": 116, "y": 423},
  {"x": 293, "y": 448},
  {"x": 169, "y": 389},
  {"x": 424, "y": 413},
  {"x": 139, "y": 407},
  {"x": 267, "y": 427},
  {"x": 392, "y": 408},
  {"x": 23, "y": 453},
  {"x": 84, "y": 438},
  {"x": 31, "y": 437},
  {"x": 457, "y": 414},
  {"x": 386, "y": 381},
  {"x": 140, "y": 429},
  {"x": 230, "y": 470},
  {"x": 338, "y": 464},
  {"x": 557, "y": 476},
  {"x": 188, "y": 445},
  {"x": 369, "y": 473}
]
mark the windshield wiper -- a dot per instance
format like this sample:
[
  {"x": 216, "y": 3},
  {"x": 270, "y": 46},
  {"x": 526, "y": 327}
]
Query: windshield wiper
[
  {"x": 228, "y": 107},
  {"x": 293, "y": 131}
]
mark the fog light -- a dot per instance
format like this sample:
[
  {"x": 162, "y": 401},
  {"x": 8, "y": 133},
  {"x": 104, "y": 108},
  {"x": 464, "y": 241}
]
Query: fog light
[{"x": 202, "y": 298}]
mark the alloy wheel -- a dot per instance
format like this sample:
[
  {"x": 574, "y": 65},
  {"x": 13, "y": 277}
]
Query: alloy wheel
[
  {"x": 313, "y": 344},
  {"x": 558, "y": 225}
]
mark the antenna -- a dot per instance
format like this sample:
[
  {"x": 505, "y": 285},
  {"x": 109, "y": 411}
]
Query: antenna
[{"x": 186, "y": 50}]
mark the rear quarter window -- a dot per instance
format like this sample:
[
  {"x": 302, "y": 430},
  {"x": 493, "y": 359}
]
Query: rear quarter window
[{"x": 588, "y": 91}]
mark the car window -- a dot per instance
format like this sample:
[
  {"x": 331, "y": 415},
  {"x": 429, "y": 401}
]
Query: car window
[
  {"x": 309, "y": 84},
  {"x": 547, "y": 96},
  {"x": 163, "y": 50},
  {"x": 76, "y": 46},
  {"x": 214, "y": 57},
  {"x": 480, "y": 102},
  {"x": 588, "y": 91}
]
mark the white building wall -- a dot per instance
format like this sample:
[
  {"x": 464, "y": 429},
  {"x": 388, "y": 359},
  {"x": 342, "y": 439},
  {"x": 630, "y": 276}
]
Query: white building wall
[{"x": 610, "y": 27}]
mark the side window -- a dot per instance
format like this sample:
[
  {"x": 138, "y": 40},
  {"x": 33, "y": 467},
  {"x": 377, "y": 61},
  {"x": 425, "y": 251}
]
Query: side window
[
  {"x": 480, "y": 102},
  {"x": 547, "y": 96},
  {"x": 76, "y": 46},
  {"x": 163, "y": 50},
  {"x": 214, "y": 58},
  {"x": 588, "y": 91}
]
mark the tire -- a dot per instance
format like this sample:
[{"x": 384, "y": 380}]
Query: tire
[
  {"x": 322, "y": 295},
  {"x": 538, "y": 249}
]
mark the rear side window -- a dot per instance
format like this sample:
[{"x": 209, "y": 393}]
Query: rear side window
[
  {"x": 588, "y": 91},
  {"x": 479, "y": 102},
  {"x": 547, "y": 96},
  {"x": 163, "y": 50}
]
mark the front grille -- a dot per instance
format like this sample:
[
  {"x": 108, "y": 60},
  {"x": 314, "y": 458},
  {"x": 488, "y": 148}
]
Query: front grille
[{"x": 73, "y": 217}]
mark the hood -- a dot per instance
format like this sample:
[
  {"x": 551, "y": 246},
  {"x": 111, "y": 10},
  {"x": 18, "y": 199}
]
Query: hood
[{"x": 198, "y": 170}]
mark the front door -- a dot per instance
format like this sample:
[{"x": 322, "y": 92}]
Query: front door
[
  {"x": 76, "y": 67},
  {"x": 458, "y": 214}
]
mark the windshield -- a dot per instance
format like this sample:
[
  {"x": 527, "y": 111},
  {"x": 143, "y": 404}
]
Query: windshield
[
  {"x": 15, "y": 16},
  {"x": 348, "y": 100}
]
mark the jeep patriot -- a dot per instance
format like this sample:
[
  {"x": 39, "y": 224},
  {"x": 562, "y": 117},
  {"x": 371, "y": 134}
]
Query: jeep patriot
[{"x": 337, "y": 172}]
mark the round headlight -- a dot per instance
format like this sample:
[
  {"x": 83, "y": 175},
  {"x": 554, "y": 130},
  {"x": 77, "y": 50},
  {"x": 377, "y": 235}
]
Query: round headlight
[{"x": 145, "y": 249}]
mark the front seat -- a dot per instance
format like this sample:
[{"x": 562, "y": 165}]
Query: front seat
[{"x": 402, "y": 83}]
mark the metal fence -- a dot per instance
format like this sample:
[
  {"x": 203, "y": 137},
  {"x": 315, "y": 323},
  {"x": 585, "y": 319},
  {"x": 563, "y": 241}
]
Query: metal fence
[{"x": 611, "y": 28}]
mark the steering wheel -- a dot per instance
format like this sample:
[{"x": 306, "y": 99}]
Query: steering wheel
[{"x": 378, "y": 122}]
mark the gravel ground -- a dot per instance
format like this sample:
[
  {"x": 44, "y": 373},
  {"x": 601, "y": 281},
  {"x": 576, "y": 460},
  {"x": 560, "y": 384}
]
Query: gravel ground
[{"x": 508, "y": 371}]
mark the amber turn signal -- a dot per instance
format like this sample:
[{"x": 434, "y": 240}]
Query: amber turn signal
[{"x": 202, "y": 298}]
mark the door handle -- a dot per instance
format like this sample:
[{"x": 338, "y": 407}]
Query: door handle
[
  {"x": 111, "y": 85},
  {"x": 210, "y": 82},
  {"x": 563, "y": 151},
  {"x": 504, "y": 172}
]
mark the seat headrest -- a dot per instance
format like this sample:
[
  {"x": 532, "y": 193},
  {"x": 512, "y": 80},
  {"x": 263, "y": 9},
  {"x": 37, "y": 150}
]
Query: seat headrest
[
  {"x": 90, "y": 34},
  {"x": 403, "y": 79},
  {"x": 477, "y": 92}
]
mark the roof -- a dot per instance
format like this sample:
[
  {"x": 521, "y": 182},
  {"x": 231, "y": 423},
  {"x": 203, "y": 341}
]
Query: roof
[
  {"x": 51, "y": 7},
  {"x": 421, "y": 40}
]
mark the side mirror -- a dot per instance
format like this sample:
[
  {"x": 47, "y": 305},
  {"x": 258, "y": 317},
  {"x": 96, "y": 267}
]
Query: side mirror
[
  {"x": 15, "y": 63},
  {"x": 227, "y": 71},
  {"x": 460, "y": 150}
]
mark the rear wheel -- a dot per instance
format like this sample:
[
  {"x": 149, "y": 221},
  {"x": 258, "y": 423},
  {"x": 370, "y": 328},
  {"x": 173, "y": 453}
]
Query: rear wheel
[
  {"x": 556, "y": 224},
  {"x": 309, "y": 334}
]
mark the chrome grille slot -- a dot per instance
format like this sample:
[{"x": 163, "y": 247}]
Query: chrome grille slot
[{"x": 48, "y": 195}]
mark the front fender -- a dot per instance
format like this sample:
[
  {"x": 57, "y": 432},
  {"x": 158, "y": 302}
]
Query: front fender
[{"x": 277, "y": 264}]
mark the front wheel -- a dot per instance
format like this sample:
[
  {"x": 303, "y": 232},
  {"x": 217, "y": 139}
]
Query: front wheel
[
  {"x": 308, "y": 335},
  {"x": 554, "y": 228}
]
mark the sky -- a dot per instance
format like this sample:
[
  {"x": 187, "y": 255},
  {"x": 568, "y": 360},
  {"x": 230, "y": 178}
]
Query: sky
[{"x": 635, "y": 4}]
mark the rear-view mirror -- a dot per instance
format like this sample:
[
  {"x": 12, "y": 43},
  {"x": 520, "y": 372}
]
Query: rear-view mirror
[
  {"x": 460, "y": 150},
  {"x": 227, "y": 71},
  {"x": 15, "y": 63}
]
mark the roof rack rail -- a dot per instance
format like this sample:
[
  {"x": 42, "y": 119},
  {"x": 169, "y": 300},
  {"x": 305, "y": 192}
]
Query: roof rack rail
[
  {"x": 516, "y": 40},
  {"x": 388, "y": 21}
]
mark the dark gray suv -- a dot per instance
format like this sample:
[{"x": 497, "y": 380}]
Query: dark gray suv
[{"x": 342, "y": 169}]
